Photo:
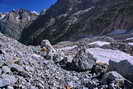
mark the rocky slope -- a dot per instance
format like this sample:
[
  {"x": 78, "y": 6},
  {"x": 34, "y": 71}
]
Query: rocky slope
[
  {"x": 82, "y": 58},
  {"x": 12, "y": 23},
  {"x": 66, "y": 65},
  {"x": 72, "y": 20}
]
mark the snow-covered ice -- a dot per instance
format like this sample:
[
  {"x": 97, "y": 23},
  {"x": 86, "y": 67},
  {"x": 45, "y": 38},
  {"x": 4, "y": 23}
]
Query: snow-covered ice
[
  {"x": 130, "y": 38},
  {"x": 104, "y": 55},
  {"x": 118, "y": 31},
  {"x": 100, "y": 43},
  {"x": 131, "y": 43},
  {"x": 2, "y": 16},
  {"x": 68, "y": 47}
]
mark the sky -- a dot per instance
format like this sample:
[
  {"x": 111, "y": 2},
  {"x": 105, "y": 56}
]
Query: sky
[{"x": 37, "y": 5}]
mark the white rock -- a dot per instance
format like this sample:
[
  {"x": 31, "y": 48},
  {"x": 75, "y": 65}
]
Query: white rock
[
  {"x": 6, "y": 69},
  {"x": 7, "y": 80},
  {"x": 10, "y": 87}
]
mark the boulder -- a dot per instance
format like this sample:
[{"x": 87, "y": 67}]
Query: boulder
[
  {"x": 124, "y": 67},
  {"x": 112, "y": 76},
  {"x": 99, "y": 69},
  {"x": 47, "y": 49},
  {"x": 6, "y": 69},
  {"x": 83, "y": 61},
  {"x": 115, "y": 80},
  {"x": 7, "y": 80}
]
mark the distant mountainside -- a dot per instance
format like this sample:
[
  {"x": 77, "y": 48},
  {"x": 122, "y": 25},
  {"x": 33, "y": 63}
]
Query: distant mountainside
[
  {"x": 12, "y": 23},
  {"x": 70, "y": 20},
  {"x": 75, "y": 19}
]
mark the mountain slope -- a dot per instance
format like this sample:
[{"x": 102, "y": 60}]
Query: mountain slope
[
  {"x": 13, "y": 22},
  {"x": 72, "y": 20}
]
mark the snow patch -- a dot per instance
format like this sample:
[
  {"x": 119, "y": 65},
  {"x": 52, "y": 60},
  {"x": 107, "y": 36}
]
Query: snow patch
[
  {"x": 17, "y": 19},
  {"x": 34, "y": 12},
  {"x": 83, "y": 11},
  {"x": 105, "y": 55},
  {"x": 130, "y": 38},
  {"x": 118, "y": 31},
  {"x": 99, "y": 43},
  {"x": 131, "y": 44},
  {"x": 2, "y": 16},
  {"x": 68, "y": 48}
]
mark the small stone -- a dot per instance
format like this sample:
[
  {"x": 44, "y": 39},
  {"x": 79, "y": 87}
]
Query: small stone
[
  {"x": 10, "y": 87},
  {"x": 7, "y": 80},
  {"x": 1, "y": 63},
  {"x": 0, "y": 71},
  {"x": 29, "y": 69},
  {"x": 1, "y": 52},
  {"x": 33, "y": 87},
  {"x": 15, "y": 67},
  {"x": 6, "y": 69}
]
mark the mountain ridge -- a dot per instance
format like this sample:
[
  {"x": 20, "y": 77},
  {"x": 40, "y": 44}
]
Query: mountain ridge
[
  {"x": 13, "y": 22},
  {"x": 71, "y": 23}
]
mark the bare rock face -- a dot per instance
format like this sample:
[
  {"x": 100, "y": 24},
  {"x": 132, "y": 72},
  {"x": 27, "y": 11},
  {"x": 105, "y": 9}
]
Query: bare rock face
[
  {"x": 12, "y": 23},
  {"x": 75, "y": 19}
]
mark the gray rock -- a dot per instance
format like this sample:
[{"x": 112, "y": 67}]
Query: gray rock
[
  {"x": 112, "y": 76},
  {"x": 124, "y": 67},
  {"x": 16, "y": 20},
  {"x": 115, "y": 80},
  {"x": 47, "y": 49},
  {"x": 33, "y": 71},
  {"x": 83, "y": 61},
  {"x": 10, "y": 87},
  {"x": 16, "y": 67},
  {"x": 7, "y": 80},
  {"x": 6, "y": 69},
  {"x": 59, "y": 56},
  {"x": 0, "y": 71},
  {"x": 100, "y": 69}
]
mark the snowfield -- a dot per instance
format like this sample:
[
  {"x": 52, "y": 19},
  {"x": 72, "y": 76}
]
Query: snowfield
[
  {"x": 100, "y": 43},
  {"x": 105, "y": 55},
  {"x": 68, "y": 48}
]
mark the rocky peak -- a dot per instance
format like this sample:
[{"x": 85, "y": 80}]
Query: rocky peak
[
  {"x": 17, "y": 20},
  {"x": 2, "y": 16},
  {"x": 20, "y": 15}
]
